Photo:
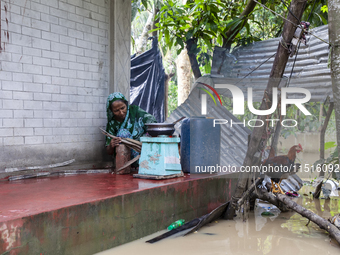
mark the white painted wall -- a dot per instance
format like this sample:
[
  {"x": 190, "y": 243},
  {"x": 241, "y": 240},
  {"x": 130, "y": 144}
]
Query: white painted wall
[{"x": 53, "y": 80}]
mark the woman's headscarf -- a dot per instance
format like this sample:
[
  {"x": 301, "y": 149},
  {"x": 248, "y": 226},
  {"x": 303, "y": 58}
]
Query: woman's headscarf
[
  {"x": 112, "y": 124},
  {"x": 112, "y": 98}
]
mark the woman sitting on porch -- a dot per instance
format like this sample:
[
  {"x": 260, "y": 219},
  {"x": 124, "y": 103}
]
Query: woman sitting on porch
[{"x": 124, "y": 121}]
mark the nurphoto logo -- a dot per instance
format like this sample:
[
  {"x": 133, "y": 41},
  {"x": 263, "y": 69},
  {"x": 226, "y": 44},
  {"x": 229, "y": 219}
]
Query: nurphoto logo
[{"x": 238, "y": 104}]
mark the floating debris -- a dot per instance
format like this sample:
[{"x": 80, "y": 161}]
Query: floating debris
[
  {"x": 269, "y": 214},
  {"x": 209, "y": 234}
]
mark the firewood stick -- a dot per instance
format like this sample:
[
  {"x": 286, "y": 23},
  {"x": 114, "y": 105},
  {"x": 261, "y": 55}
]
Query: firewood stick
[
  {"x": 128, "y": 163},
  {"x": 126, "y": 142},
  {"x": 134, "y": 141},
  {"x": 134, "y": 148}
]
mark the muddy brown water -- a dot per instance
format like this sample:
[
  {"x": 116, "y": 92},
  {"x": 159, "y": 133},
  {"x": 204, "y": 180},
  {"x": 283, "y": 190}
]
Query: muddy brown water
[{"x": 285, "y": 234}]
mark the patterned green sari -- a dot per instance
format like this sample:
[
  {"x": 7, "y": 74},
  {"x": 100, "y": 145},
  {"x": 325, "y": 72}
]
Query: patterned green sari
[{"x": 133, "y": 124}]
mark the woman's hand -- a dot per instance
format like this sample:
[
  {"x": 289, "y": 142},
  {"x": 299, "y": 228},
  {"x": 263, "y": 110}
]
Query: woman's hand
[{"x": 113, "y": 143}]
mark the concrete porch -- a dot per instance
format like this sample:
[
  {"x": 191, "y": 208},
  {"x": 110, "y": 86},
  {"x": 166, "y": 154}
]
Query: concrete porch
[{"x": 84, "y": 214}]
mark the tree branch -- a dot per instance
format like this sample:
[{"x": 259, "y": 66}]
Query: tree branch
[
  {"x": 231, "y": 33},
  {"x": 321, "y": 222},
  {"x": 193, "y": 59}
]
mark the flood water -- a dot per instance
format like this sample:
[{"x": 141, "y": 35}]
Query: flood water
[
  {"x": 307, "y": 160},
  {"x": 286, "y": 234}
]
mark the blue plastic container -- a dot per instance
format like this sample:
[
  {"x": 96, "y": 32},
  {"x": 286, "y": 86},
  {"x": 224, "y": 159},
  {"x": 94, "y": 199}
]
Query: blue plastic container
[{"x": 200, "y": 145}]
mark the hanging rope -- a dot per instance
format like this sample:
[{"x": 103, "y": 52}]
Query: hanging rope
[{"x": 320, "y": 39}]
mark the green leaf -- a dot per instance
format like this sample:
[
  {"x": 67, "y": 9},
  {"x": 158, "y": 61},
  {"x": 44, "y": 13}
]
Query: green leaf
[
  {"x": 206, "y": 39},
  {"x": 171, "y": 42},
  {"x": 133, "y": 41},
  {"x": 145, "y": 3},
  {"x": 167, "y": 37},
  {"x": 214, "y": 27},
  {"x": 160, "y": 36},
  {"x": 210, "y": 33},
  {"x": 323, "y": 20},
  {"x": 152, "y": 30},
  {"x": 222, "y": 5},
  {"x": 247, "y": 27},
  {"x": 213, "y": 8},
  {"x": 232, "y": 23},
  {"x": 239, "y": 22},
  {"x": 324, "y": 8},
  {"x": 329, "y": 145},
  {"x": 220, "y": 40},
  {"x": 207, "y": 68},
  {"x": 258, "y": 23}
]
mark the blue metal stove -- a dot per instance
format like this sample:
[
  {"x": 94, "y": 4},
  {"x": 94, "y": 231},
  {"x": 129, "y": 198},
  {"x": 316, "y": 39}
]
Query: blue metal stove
[{"x": 159, "y": 158}]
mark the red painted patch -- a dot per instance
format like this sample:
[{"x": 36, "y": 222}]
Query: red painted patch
[{"x": 5, "y": 178}]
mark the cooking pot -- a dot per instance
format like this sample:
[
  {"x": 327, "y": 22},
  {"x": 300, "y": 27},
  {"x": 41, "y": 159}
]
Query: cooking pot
[{"x": 156, "y": 129}]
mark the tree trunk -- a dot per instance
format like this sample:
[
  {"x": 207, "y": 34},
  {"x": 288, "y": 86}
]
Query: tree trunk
[
  {"x": 257, "y": 139},
  {"x": 183, "y": 76},
  {"x": 231, "y": 33},
  {"x": 166, "y": 91},
  {"x": 320, "y": 115},
  {"x": 167, "y": 76},
  {"x": 276, "y": 137},
  {"x": 143, "y": 39},
  {"x": 155, "y": 33},
  {"x": 323, "y": 130},
  {"x": 334, "y": 40},
  {"x": 322, "y": 146}
]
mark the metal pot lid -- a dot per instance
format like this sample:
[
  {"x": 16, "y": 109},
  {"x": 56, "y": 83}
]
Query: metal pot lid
[{"x": 159, "y": 124}]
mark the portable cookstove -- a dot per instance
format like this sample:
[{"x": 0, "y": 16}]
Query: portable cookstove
[{"x": 159, "y": 158}]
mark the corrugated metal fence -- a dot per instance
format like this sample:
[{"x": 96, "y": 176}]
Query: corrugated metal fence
[{"x": 310, "y": 72}]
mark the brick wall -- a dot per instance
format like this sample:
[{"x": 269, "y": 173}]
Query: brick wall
[{"x": 53, "y": 80}]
